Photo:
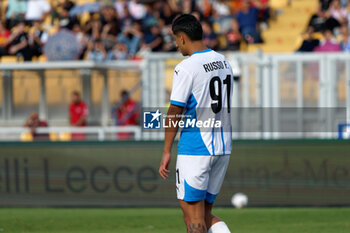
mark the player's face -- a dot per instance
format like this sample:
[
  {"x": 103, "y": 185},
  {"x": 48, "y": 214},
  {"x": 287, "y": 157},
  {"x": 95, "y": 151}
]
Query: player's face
[
  {"x": 75, "y": 98},
  {"x": 180, "y": 44}
]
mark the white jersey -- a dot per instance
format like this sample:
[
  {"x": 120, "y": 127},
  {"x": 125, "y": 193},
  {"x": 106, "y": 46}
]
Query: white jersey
[{"x": 203, "y": 85}]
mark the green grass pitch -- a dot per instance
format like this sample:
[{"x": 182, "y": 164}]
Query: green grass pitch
[{"x": 169, "y": 220}]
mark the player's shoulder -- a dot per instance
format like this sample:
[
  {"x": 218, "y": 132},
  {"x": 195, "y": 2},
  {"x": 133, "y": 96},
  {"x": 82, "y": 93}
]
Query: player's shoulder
[
  {"x": 184, "y": 66},
  {"x": 190, "y": 62},
  {"x": 220, "y": 55}
]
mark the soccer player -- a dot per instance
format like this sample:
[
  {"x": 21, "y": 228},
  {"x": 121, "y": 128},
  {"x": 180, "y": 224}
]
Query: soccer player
[{"x": 202, "y": 87}]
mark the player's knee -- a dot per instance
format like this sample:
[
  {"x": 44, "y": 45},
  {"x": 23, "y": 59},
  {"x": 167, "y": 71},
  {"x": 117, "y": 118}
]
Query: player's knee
[{"x": 189, "y": 220}]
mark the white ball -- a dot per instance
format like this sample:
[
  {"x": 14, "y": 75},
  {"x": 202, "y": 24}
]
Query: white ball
[{"x": 239, "y": 200}]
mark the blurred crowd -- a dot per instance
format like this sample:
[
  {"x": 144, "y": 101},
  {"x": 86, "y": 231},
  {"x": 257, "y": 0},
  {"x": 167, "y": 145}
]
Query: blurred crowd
[
  {"x": 122, "y": 29},
  {"x": 328, "y": 29}
]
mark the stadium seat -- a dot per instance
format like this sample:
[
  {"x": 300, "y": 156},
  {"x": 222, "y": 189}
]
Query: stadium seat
[
  {"x": 65, "y": 136},
  {"x": 278, "y": 4},
  {"x": 42, "y": 58},
  {"x": 53, "y": 137},
  {"x": 283, "y": 34},
  {"x": 26, "y": 137},
  {"x": 9, "y": 59},
  {"x": 26, "y": 89}
]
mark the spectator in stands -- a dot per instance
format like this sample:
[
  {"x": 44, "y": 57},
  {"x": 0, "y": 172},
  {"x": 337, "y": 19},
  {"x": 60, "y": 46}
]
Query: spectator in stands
[
  {"x": 221, "y": 8},
  {"x": 126, "y": 113},
  {"x": 109, "y": 36},
  {"x": 78, "y": 113},
  {"x": 4, "y": 36},
  {"x": 248, "y": 19},
  {"x": 324, "y": 5},
  {"x": 309, "y": 43},
  {"x": 131, "y": 23},
  {"x": 345, "y": 38},
  {"x": 149, "y": 19},
  {"x": 168, "y": 40},
  {"x": 78, "y": 110},
  {"x": 131, "y": 36},
  {"x": 329, "y": 44},
  {"x": 16, "y": 10},
  {"x": 81, "y": 36},
  {"x": 209, "y": 37},
  {"x": 167, "y": 14},
  {"x": 110, "y": 27},
  {"x": 37, "y": 10},
  {"x": 33, "y": 122},
  {"x": 96, "y": 51},
  {"x": 125, "y": 19},
  {"x": 264, "y": 11},
  {"x": 37, "y": 38},
  {"x": 119, "y": 52},
  {"x": 348, "y": 13},
  {"x": 64, "y": 15},
  {"x": 18, "y": 43},
  {"x": 93, "y": 27},
  {"x": 322, "y": 20},
  {"x": 338, "y": 12},
  {"x": 153, "y": 39},
  {"x": 121, "y": 6},
  {"x": 233, "y": 37},
  {"x": 187, "y": 6}
]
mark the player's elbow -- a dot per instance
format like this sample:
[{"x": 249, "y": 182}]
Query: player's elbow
[{"x": 174, "y": 110}]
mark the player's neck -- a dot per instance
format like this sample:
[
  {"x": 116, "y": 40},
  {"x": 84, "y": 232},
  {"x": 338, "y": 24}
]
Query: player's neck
[{"x": 197, "y": 46}]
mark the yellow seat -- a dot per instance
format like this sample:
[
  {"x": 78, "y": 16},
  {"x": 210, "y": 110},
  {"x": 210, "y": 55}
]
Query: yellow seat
[
  {"x": 42, "y": 58},
  {"x": 65, "y": 136},
  {"x": 26, "y": 137},
  {"x": 278, "y": 4},
  {"x": 9, "y": 59},
  {"x": 53, "y": 137}
]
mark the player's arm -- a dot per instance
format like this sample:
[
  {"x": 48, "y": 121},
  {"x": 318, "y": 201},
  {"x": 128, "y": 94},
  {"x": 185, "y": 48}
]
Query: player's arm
[
  {"x": 181, "y": 90},
  {"x": 170, "y": 133}
]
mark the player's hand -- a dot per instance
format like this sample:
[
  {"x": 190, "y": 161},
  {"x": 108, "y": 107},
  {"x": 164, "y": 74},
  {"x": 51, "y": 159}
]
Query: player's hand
[{"x": 164, "y": 165}]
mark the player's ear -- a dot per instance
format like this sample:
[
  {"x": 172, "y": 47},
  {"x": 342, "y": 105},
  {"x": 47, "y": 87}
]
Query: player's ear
[{"x": 182, "y": 38}]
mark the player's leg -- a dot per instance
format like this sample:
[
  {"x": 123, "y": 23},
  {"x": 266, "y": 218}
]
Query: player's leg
[
  {"x": 194, "y": 216},
  {"x": 210, "y": 219},
  {"x": 216, "y": 178},
  {"x": 192, "y": 176},
  {"x": 213, "y": 223}
]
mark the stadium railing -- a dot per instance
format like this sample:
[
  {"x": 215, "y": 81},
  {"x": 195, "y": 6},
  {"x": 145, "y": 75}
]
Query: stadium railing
[
  {"x": 63, "y": 133},
  {"x": 278, "y": 95}
]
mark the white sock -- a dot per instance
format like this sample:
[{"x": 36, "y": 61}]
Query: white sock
[{"x": 219, "y": 227}]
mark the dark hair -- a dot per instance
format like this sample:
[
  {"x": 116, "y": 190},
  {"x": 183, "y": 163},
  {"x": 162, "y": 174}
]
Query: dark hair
[
  {"x": 125, "y": 93},
  {"x": 189, "y": 25},
  {"x": 76, "y": 93}
]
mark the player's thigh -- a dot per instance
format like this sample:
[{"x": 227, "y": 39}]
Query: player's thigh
[
  {"x": 216, "y": 176},
  {"x": 192, "y": 177}
]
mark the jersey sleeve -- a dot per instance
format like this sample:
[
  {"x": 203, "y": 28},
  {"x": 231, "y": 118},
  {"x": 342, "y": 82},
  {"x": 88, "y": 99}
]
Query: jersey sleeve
[{"x": 182, "y": 87}]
